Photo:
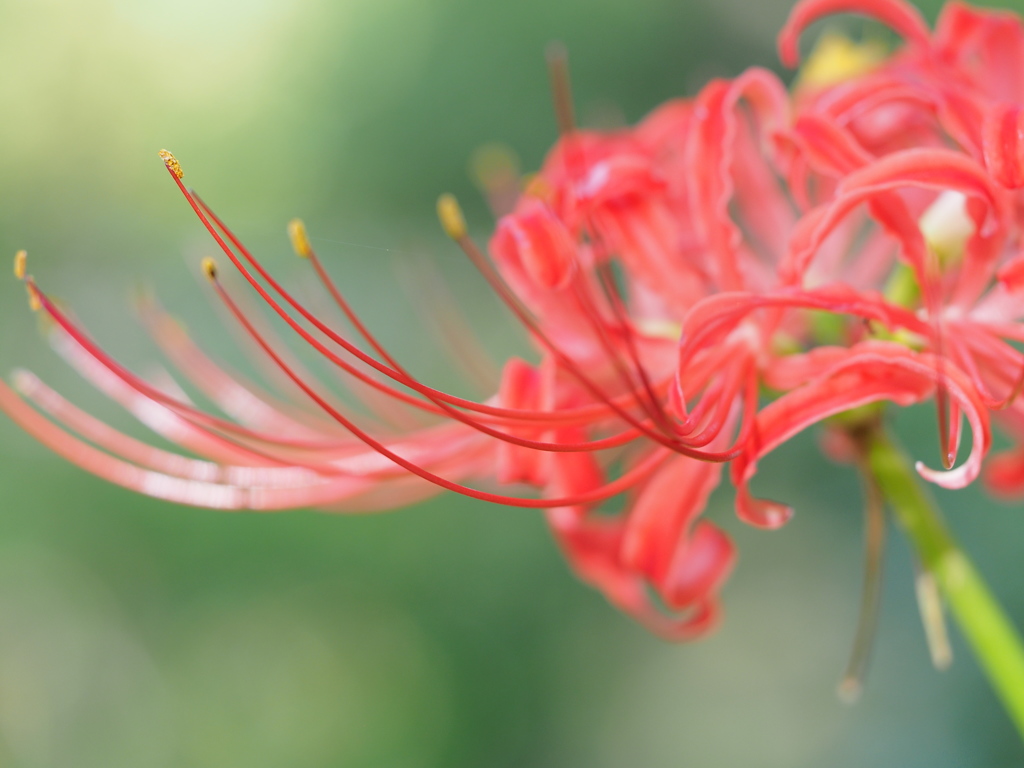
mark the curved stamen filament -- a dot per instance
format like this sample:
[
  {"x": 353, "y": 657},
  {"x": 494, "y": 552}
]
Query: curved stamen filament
[
  {"x": 871, "y": 594},
  {"x": 626, "y": 481},
  {"x": 469, "y": 247},
  {"x": 207, "y": 422},
  {"x": 578, "y": 415},
  {"x": 618, "y": 307},
  {"x": 613, "y": 441},
  {"x": 150, "y": 457},
  {"x": 649, "y": 403},
  {"x": 212, "y": 426}
]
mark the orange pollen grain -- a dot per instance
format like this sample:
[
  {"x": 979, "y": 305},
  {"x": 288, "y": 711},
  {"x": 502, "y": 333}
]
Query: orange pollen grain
[{"x": 172, "y": 163}]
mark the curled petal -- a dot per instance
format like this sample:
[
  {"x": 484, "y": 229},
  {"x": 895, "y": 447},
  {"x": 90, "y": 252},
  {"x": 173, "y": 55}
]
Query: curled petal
[
  {"x": 663, "y": 513},
  {"x": 664, "y": 130},
  {"x": 938, "y": 169},
  {"x": 986, "y": 43},
  {"x": 587, "y": 170},
  {"x": 935, "y": 169},
  {"x": 880, "y": 105},
  {"x": 699, "y": 568},
  {"x": 644, "y": 232},
  {"x": 521, "y": 388},
  {"x": 711, "y": 154},
  {"x": 829, "y": 148},
  {"x": 1011, "y": 274},
  {"x": 902, "y": 17},
  {"x": 792, "y": 371},
  {"x": 871, "y": 372},
  {"x": 655, "y": 544},
  {"x": 715, "y": 317},
  {"x": 538, "y": 243},
  {"x": 1003, "y": 142}
]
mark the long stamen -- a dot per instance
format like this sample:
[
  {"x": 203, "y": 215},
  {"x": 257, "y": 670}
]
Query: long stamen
[
  {"x": 723, "y": 402},
  {"x": 561, "y": 91},
  {"x": 109, "y": 439},
  {"x": 852, "y": 683},
  {"x": 369, "y": 396},
  {"x": 203, "y": 211},
  {"x": 430, "y": 296},
  {"x": 646, "y": 399},
  {"x": 212, "y": 426},
  {"x": 579, "y": 415},
  {"x": 456, "y": 229},
  {"x": 617, "y": 303},
  {"x": 246, "y": 495},
  {"x": 626, "y": 481},
  {"x": 454, "y": 225},
  {"x": 302, "y": 247},
  {"x": 237, "y": 398},
  {"x": 929, "y": 601},
  {"x": 613, "y": 441}
]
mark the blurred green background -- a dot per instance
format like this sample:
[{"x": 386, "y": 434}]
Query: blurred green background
[{"x": 136, "y": 633}]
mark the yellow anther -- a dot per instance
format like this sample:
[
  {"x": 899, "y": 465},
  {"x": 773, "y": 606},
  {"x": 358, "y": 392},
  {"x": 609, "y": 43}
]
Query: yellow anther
[
  {"x": 209, "y": 268},
  {"x": 837, "y": 58},
  {"x": 300, "y": 241},
  {"x": 172, "y": 163},
  {"x": 33, "y": 297},
  {"x": 20, "y": 258},
  {"x": 450, "y": 214}
]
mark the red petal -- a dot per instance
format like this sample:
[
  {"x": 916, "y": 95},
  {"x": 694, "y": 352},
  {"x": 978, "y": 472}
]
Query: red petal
[{"x": 902, "y": 17}]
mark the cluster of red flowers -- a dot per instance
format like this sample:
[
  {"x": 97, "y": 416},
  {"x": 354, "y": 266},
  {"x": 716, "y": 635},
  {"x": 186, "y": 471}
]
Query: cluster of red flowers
[{"x": 852, "y": 241}]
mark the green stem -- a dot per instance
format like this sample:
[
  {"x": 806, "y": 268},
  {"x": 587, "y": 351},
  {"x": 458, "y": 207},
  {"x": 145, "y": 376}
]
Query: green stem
[{"x": 989, "y": 631}]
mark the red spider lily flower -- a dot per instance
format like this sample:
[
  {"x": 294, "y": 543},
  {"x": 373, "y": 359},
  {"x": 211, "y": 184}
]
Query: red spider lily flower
[
  {"x": 665, "y": 274},
  {"x": 926, "y": 142}
]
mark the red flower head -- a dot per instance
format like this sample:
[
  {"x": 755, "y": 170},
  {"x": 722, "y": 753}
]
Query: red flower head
[{"x": 855, "y": 240}]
